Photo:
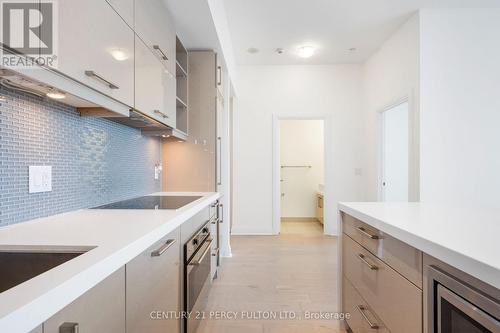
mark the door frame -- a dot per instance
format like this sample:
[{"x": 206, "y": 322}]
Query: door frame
[
  {"x": 330, "y": 223},
  {"x": 413, "y": 147}
]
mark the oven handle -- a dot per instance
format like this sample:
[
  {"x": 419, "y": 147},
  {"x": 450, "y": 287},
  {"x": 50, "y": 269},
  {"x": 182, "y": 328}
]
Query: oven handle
[{"x": 197, "y": 262}]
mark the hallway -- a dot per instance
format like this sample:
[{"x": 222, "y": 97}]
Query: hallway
[{"x": 288, "y": 275}]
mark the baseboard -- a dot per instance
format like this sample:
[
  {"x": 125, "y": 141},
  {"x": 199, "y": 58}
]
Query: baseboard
[
  {"x": 252, "y": 234},
  {"x": 299, "y": 219}
]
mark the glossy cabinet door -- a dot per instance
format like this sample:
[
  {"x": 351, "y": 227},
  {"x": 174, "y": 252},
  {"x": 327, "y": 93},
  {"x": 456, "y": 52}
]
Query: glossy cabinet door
[
  {"x": 101, "y": 309},
  {"x": 154, "y": 26},
  {"x": 362, "y": 318},
  {"x": 96, "y": 47},
  {"x": 124, "y": 8},
  {"x": 153, "y": 288},
  {"x": 154, "y": 86}
]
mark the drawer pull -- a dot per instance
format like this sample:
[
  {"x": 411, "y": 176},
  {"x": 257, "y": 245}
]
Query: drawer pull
[
  {"x": 160, "y": 113},
  {"x": 362, "y": 258},
  {"x": 160, "y": 51},
  {"x": 367, "y": 234},
  {"x": 93, "y": 74},
  {"x": 163, "y": 248},
  {"x": 362, "y": 309}
]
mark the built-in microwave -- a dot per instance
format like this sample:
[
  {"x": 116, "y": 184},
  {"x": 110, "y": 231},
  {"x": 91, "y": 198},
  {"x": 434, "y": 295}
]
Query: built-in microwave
[{"x": 457, "y": 303}]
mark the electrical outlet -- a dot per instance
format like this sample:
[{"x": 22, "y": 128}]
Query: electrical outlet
[{"x": 40, "y": 179}]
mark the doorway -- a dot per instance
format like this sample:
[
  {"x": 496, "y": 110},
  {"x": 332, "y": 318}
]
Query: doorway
[
  {"x": 395, "y": 140},
  {"x": 301, "y": 175}
]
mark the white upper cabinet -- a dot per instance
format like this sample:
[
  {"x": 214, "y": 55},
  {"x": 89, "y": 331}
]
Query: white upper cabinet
[
  {"x": 125, "y": 8},
  {"x": 96, "y": 47},
  {"x": 154, "y": 26},
  {"x": 154, "y": 86}
]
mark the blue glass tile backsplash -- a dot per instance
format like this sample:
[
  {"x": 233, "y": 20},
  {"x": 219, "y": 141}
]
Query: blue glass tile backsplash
[{"x": 94, "y": 161}]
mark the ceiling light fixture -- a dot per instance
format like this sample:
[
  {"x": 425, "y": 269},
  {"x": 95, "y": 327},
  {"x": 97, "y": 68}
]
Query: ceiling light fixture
[
  {"x": 253, "y": 50},
  {"x": 306, "y": 51},
  {"x": 119, "y": 54},
  {"x": 279, "y": 50},
  {"x": 55, "y": 94},
  {"x": 2, "y": 99}
]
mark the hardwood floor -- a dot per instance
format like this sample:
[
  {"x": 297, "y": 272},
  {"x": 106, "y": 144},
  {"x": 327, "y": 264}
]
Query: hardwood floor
[{"x": 288, "y": 275}]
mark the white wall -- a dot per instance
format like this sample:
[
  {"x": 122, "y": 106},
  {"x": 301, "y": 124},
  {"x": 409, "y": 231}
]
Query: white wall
[
  {"x": 389, "y": 76},
  {"x": 301, "y": 143},
  {"x": 460, "y": 106},
  {"x": 264, "y": 91}
]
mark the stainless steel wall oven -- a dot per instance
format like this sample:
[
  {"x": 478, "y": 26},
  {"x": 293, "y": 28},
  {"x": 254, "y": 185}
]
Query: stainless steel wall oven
[{"x": 197, "y": 263}]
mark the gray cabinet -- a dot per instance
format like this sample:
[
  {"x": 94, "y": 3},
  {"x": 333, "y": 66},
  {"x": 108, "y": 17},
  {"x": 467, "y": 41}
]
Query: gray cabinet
[
  {"x": 101, "y": 309},
  {"x": 193, "y": 164},
  {"x": 153, "y": 288},
  {"x": 382, "y": 280}
]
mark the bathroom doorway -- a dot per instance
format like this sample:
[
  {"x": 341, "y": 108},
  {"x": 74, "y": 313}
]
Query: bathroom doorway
[{"x": 302, "y": 164}]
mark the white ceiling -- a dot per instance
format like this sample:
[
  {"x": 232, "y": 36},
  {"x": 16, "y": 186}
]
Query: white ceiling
[{"x": 333, "y": 26}]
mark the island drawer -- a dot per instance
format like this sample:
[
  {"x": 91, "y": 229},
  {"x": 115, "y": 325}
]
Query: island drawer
[
  {"x": 396, "y": 300},
  {"x": 361, "y": 318},
  {"x": 402, "y": 257}
]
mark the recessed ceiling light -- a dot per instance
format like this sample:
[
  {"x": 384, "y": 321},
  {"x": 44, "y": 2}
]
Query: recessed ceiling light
[
  {"x": 119, "y": 54},
  {"x": 279, "y": 50},
  {"x": 2, "y": 98},
  {"x": 253, "y": 50},
  {"x": 352, "y": 49},
  {"x": 55, "y": 94},
  {"x": 306, "y": 51}
]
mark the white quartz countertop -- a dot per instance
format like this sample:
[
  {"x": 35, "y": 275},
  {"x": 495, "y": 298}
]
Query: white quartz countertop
[
  {"x": 117, "y": 236},
  {"x": 464, "y": 237}
]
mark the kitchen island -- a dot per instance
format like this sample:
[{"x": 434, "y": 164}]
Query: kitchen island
[{"x": 404, "y": 265}]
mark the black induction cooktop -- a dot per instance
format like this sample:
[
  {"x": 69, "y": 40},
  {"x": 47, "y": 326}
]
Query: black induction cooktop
[{"x": 152, "y": 202}]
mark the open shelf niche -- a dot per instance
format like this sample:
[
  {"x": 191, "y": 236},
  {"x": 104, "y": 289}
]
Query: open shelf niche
[{"x": 181, "y": 72}]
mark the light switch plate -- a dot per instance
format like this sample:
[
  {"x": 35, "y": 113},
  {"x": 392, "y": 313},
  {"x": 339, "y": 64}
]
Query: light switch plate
[{"x": 40, "y": 179}]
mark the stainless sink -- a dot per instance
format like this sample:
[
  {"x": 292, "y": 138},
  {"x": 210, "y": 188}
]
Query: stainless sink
[{"x": 18, "y": 265}]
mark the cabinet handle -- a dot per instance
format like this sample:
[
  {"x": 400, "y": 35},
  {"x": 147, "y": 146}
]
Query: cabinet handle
[
  {"x": 163, "y": 248},
  {"x": 362, "y": 258},
  {"x": 367, "y": 234},
  {"x": 160, "y": 51},
  {"x": 94, "y": 75},
  {"x": 221, "y": 220},
  {"x": 219, "y": 71},
  {"x": 69, "y": 328},
  {"x": 160, "y": 113},
  {"x": 219, "y": 174},
  {"x": 216, "y": 252},
  {"x": 362, "y": 309}
]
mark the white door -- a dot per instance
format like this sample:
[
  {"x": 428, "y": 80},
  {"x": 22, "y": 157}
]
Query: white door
[{"x": 395, "y": 140}]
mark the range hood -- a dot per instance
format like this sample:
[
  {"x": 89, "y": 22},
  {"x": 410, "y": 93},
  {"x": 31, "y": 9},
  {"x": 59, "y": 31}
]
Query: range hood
[
  {"x": 15, "y": 81},
  {"x": 149, "y": 127}
]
